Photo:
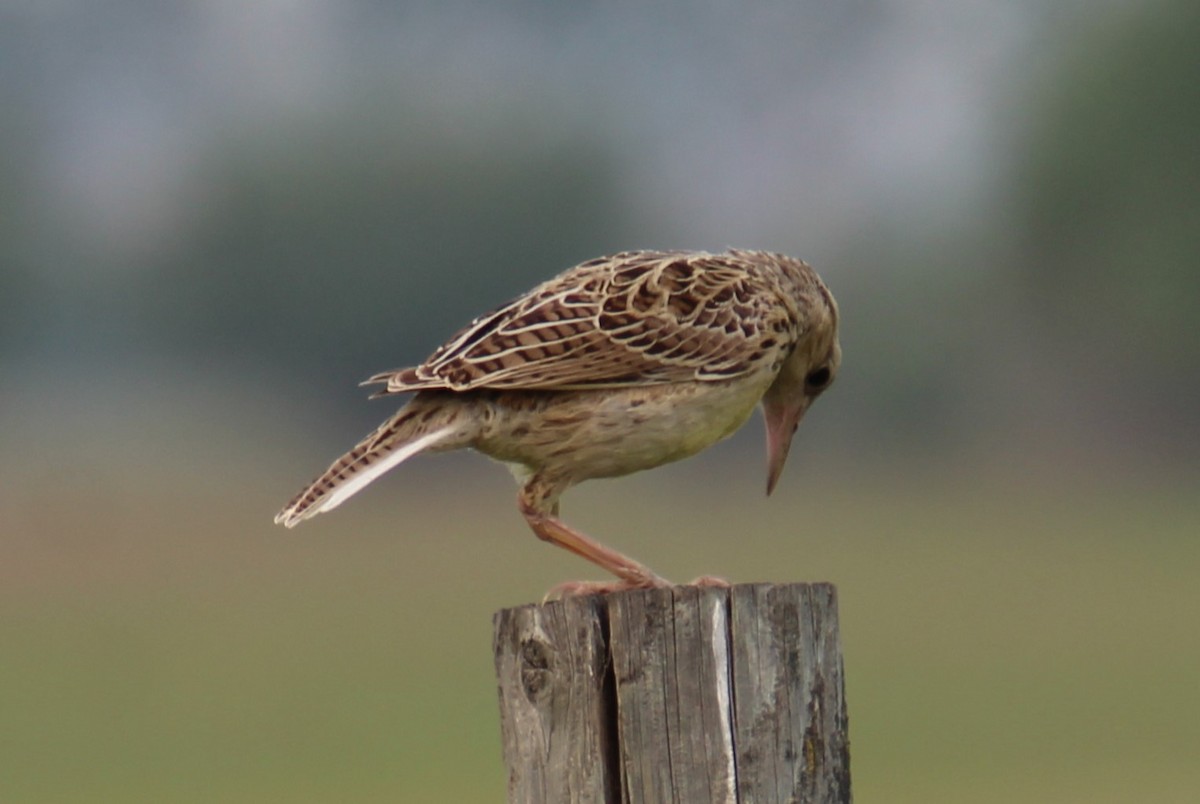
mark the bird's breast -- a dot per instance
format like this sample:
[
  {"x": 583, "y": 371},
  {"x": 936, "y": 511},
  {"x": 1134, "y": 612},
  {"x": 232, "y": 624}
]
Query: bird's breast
[{"x": 608, "y": 433}]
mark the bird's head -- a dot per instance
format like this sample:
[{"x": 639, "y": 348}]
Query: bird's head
[{"x": 805, "y": 374}]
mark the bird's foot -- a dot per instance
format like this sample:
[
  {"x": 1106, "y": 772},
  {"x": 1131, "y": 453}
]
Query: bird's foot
[
  {"x": 585, "y": 588},
  {"x": 709, "y": 582}
]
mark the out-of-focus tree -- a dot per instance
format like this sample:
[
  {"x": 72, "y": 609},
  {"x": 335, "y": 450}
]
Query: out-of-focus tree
[
  {"x": 1107, "y": 198},
  {"x": 16, "y": 237},
  {"x": 338, "y": 251}
]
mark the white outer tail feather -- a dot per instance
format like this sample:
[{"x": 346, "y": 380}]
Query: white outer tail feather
[{"x": 360, "y": 481}]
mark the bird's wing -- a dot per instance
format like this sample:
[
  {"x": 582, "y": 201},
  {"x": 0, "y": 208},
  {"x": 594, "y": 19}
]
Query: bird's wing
[{"x": 635, "y": 318}]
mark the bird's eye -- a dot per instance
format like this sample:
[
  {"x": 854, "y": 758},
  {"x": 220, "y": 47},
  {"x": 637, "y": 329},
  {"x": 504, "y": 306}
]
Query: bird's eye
[{"x": 818, "y": 378}]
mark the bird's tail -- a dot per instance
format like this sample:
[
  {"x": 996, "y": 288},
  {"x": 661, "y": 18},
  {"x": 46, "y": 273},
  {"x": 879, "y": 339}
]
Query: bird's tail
[{"x": 420, "y": 426}]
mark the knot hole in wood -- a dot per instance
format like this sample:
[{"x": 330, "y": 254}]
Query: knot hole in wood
[{"x": 535, "y": 667}]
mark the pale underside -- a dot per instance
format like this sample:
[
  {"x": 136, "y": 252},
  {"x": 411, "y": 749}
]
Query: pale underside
[{"x": 574, "y": 436}]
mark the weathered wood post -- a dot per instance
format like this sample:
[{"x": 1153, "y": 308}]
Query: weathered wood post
[{"x": 685, "y": 695}]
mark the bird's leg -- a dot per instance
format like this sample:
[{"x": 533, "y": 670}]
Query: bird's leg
[{"x": 540, "y": 511}]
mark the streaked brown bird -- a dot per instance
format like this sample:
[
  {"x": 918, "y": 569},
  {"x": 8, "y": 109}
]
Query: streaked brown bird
[{"x": 620, "y": 364}]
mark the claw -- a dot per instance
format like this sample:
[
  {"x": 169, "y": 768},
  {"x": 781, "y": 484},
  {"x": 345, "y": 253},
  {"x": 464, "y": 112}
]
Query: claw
[
  {"x": 710, "y": 582},
  {"x": 584, "y": 588}
]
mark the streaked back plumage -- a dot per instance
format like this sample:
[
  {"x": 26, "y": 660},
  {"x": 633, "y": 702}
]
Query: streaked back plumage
[{"x": 634, "y": 318}]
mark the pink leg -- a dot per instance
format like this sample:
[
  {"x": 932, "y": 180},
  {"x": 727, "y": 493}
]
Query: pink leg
[{"x": 550, "y": 528}]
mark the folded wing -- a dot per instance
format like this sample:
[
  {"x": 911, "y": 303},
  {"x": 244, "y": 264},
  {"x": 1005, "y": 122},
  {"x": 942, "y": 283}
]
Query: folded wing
[{"x": 635, "y": 318}]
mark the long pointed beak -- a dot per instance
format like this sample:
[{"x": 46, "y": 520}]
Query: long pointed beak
[{"x": 782, "y": 418}]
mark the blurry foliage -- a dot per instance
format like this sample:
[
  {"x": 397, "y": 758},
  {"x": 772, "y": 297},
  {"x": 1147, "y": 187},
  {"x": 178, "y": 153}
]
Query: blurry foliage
[
  {"x": 16, "y": 241},
  {"x": 1108, "y": 195},
  {"x": 337, "y": 254},
  {"x": 12, "y": 291}
]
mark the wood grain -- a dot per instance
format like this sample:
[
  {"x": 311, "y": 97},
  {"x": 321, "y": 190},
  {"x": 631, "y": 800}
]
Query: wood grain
[{"x": 686, "y": 695}]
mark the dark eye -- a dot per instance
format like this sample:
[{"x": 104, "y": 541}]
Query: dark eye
[{"x": 818, "y": 378}]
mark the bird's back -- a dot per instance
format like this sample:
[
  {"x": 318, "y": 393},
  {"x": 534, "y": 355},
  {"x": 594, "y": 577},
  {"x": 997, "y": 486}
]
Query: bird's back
[{"x": 631, "y": 319}]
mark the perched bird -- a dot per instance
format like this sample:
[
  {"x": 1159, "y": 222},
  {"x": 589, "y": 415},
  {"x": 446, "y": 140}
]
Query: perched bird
[{"x": 619, "y": 364}]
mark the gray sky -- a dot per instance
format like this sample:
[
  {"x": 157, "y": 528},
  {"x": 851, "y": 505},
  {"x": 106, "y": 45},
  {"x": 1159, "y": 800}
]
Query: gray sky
[{"x": 781, "y": 124}]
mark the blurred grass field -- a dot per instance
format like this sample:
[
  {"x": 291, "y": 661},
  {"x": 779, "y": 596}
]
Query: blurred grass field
[{"x": 1008, "y": 636}]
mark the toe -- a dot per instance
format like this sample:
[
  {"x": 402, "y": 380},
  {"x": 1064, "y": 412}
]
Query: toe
[
  {"x": 710, "y": 582},
  {"x": 584, "y": 588}
]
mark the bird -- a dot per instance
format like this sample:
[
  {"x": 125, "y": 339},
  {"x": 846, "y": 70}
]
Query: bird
[{"x": 620, "y": 364}]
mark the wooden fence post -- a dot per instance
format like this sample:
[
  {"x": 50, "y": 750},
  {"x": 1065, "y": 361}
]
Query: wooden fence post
[{"x": 683, "y": 695}]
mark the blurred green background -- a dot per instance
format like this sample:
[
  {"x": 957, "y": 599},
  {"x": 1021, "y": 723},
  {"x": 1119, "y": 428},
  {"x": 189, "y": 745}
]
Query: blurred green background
[{"x": 216, "y": 218}]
